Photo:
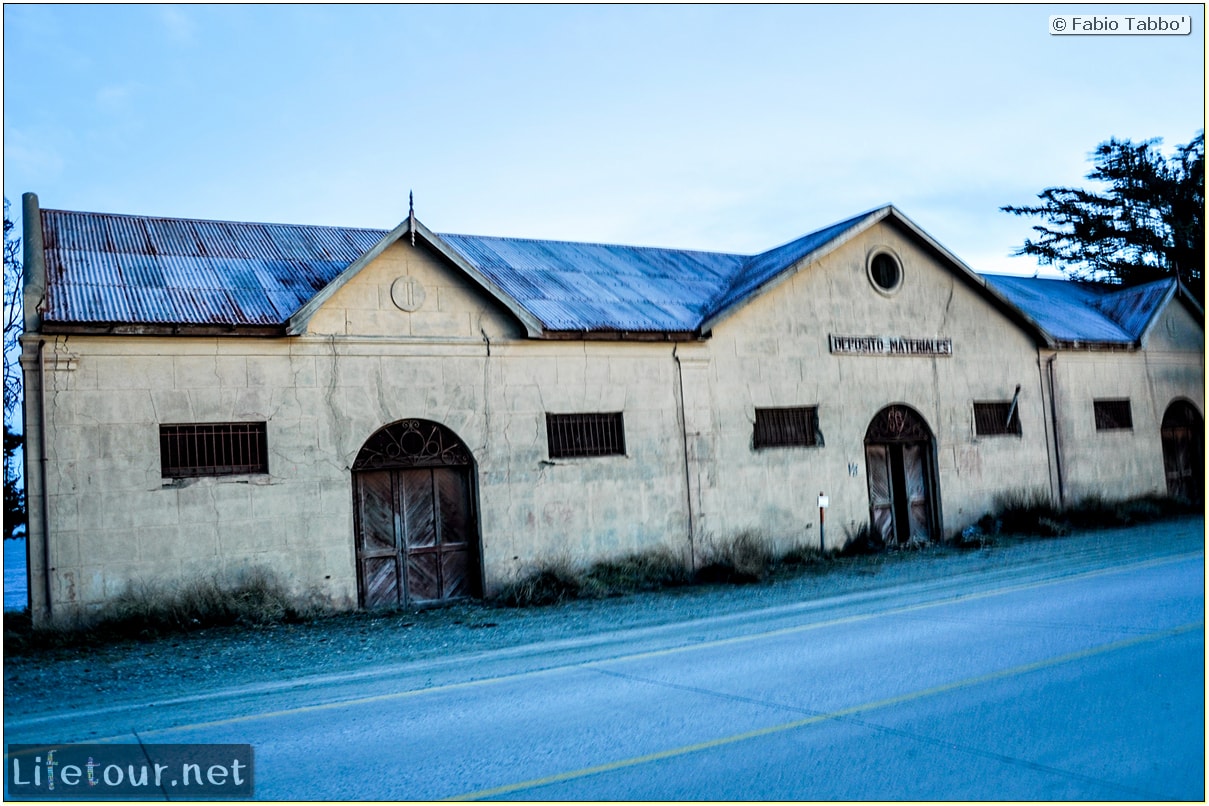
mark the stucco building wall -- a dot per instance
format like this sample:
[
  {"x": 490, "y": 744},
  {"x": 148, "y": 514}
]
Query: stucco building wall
[
  {"x": 460, "y": 358},
  {"x": 775, "y": 352},
  {"x": 1114, "y": 464}
]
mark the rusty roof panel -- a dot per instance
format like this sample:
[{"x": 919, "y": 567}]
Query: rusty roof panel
[
  {"x": 132, "y": 269},
  {"x": 115, "y": 269}
]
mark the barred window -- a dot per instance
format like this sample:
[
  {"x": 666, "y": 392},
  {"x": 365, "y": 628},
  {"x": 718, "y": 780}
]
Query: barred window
[
  {"x": 785, "y": 427},
  {"x": 213, "y": 449},
  {"x": 996, "y": 418},
  {"x": 1113, "y": 415},
  {"x": 570, "y": 435}
]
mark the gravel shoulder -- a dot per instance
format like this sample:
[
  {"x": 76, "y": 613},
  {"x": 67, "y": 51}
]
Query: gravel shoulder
[{"x": 53, "y": 680}]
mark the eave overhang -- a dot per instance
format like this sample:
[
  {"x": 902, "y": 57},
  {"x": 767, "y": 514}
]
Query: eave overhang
[
  {"x": 52, "y": 328},
  {"x": 622, "y": 335}
]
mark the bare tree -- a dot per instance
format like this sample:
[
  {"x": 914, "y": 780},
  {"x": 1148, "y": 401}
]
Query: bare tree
[
  {"x": 14, "y": 324},
  {"x": 14, "y": 317}
]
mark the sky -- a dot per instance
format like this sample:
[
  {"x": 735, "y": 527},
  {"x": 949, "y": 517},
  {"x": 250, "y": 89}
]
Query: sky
[{"x": 721, "y": 128}]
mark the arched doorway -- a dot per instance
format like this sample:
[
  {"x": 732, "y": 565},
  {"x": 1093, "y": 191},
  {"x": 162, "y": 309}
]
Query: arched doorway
[
  {"x": 1183, "y": 435},
  {"x": 416, "y": 528},
  {"x": 899, "y": 457}
]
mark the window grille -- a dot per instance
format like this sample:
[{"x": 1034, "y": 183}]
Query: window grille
[
  {"x": 213, "y": 449},
  {"x": 786, "y": 427},
  {"x": 1113, "y": 414},
  {"x": 569, "y": 435},
  {"x": 991, "y": 419}
]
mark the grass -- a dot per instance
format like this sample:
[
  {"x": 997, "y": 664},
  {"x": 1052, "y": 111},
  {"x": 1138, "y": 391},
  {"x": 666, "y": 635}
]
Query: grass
[
  {"x": 1032, "y": 514},
  {"x": 146, "y": 611},
  {"x": 745, "y": 558},
  {"x": 257, "y": 597},
  {"x": 655, "y": 569}
]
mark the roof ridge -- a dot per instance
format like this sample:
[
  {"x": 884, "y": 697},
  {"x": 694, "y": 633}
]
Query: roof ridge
[
  {"x": 603, "y": 244},
  {"x": 1117, "y": 313},
  {"x": 191, "y": 220},
  {"x": 730, "y": 295}
]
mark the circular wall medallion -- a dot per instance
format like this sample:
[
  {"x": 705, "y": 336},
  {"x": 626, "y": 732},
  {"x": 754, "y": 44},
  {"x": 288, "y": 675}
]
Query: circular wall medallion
[
  {"x": 407, "y": 293},
  {"x": 885, "y": 271}
]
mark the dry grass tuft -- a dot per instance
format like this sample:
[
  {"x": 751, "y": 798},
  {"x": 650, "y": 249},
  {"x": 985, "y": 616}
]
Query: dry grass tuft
[
  {"x": 148, "y": 610},
  {"x": 650, "y": 570}
]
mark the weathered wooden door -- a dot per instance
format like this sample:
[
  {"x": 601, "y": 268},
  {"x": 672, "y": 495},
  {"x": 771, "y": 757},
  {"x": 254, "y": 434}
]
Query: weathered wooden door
[
  {"x": 881, "y": 491},
  {"x": 416, "y": 532},
  {"x": 379, "y": 558},
  {"x": 898, "y": 451},
  {"x": 918, "y": 497},
  {"x": 1183, "y": 451}
]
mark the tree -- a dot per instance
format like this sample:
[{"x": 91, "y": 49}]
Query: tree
[
  {"x": 14, "y": 323},
  {"x": 15, "y": 518},
  {"x": 1146, "y": 225}
]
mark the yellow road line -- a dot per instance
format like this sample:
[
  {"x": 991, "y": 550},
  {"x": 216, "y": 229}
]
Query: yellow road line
[
  {"x": 399, "y": 695},
  {"x": 811, "y": 720}
]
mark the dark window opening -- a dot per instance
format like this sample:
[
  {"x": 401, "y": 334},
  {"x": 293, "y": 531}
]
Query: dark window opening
[
  {"x": 213, "y": 449},
  {"x": 570, "y": 435},
  {"x": 993, "y": 419},
  {"x": 787, "y": 427},
  {"x": 1113, "y": 415},
  {"x": 885, "y": 271}
]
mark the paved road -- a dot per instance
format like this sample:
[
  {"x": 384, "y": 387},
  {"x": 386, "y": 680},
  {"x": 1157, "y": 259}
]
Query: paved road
[{"x": 1082, "y": 679}]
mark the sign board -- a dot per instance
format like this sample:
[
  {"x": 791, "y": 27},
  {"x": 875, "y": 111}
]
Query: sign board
[
  {"x": 824, "y": 502},
  {"x": 889, "y": 345}
]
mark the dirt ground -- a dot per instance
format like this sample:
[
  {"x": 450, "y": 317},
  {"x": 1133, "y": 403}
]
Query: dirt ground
[{"x": 221, "y": 658}]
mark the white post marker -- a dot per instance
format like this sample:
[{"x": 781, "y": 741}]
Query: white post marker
[{"x": 823, "y": 504}]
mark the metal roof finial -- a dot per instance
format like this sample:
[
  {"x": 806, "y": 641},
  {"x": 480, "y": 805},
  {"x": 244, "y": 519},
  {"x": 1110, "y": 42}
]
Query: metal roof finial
[{"x": 411, "y": 215}]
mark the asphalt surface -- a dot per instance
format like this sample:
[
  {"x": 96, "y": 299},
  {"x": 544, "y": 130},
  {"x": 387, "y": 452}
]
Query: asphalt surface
[{"x": 1076, "y": 675}]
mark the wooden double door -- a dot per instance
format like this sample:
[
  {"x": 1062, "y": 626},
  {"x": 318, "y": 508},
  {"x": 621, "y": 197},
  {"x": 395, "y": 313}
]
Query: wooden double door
[
  {"x": 1183, "y": 435},
  {"x": 416, "y": 539},
  {"x": 898, "y": 457},
  {"x": 416, "y": 528},
  {"x": 899, "y": 497}
]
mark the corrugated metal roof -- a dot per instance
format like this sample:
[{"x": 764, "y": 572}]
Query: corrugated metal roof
[
  {"x": 132, "y": 270},
  {"x": 104, "y": 268},
  {"x": 591, "y": 287},
  {"x": 1084, "y": 312},
  {"x": 760, "y": 269}
]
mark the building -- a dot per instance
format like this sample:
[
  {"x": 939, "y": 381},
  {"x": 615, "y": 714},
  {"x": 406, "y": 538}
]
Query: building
[{"x": 386, "y": 417}]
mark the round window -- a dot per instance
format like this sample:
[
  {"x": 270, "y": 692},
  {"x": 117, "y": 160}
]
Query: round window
[{"x": 885, "y": 271}]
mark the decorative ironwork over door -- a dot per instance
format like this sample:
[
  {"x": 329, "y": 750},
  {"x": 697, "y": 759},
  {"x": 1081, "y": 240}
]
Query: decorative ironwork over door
[
  {"x": 416, "y": 532},
  {"x": 1184, "y": 451},
  {"x": 898, "y": 458}
]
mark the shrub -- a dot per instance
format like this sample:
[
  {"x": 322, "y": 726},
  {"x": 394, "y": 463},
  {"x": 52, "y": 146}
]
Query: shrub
[
  {"x": 255, "y": 596},
  {"x": 1095, "y": 512},
  {"x": 149, "y": 610},
  {"x": 1033, "y": 514},
  {"x": 1022, "y": 513},
  {"x": 975, "y": 536},
  {"x": 861, "y": 541},
  {"x": 551, "y": 582},
  {"x": 638, "y": 571},
  {"x": 746, "y": 557},
  {"x": 801, "y": 554},
  {"x": 1051, "y": 527}
]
